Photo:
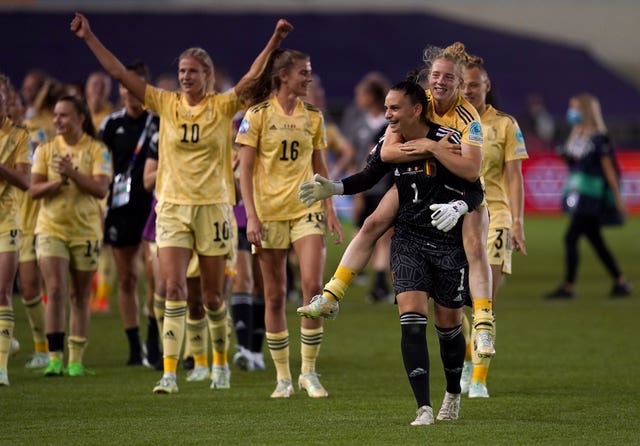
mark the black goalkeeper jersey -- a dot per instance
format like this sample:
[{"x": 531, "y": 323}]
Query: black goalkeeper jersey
[{"x": 420, "y": 183}]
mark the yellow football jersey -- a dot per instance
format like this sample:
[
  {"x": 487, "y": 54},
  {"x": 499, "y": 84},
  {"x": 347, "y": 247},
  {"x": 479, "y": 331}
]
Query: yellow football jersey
[
  {"x": 503, "y": 142},
  {"x": 194, "y": 150},
  {"x": 285, "y": 145},
  {"x": 72, "y": 214},
  {"x": 40, "y": 127},
  {"x": 462, "y": 116},
  {"x": 14, "y": 149},
  {"x": 28, "y": 212}
]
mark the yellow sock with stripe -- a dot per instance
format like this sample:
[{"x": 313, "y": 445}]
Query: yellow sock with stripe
[
  {"x": 336, "y": 288},
  {"x": 158, "y": 310},
  {"x": 173, "y": 335},
  {"x": 466, "y": 331},
  {"x": 278, "y": 344},
  {"x": 218, "y": 328},
  {"x": 197, "y": 336},
  {"x": 76, "y": 346},
  {"x": 311, "y": 340},
  {"x": 35, "y": 315},
  {"x": 7, "y": 323},
  {"x": 481, "y": 365},
  {"x": 482, "y": 313}
]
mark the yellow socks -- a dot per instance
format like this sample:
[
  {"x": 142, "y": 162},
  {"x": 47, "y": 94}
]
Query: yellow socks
[
  {"x": 7, "y": 323},
  {"x": 197, "y": 336},
  {"x": 173, "y": 334},
  {"x": 35, "y": 314},
  {"x": 483, "y": 313},
  {"x": 76, "y": 346},
  {"x": 218, "y": 327},
  {"x": 158, "y": 310},
  {"x": 311, "y": 340},
  {"x": 278, "y": 344},
  {"x": 336, "y": 288}
]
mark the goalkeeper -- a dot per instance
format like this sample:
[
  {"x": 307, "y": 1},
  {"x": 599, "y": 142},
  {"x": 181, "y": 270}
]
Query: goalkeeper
[{"x": 452, "y": 198}]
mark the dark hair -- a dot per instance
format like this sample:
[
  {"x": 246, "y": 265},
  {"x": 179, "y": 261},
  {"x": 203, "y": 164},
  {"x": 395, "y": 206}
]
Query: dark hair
[
  {"x": 81, "y": 108},
  {"x": 280, "y": 60},
  {"x": 376, "y": 85},
  {"x": 414, "y": 92},
  {"x": 140, "y": 68}
]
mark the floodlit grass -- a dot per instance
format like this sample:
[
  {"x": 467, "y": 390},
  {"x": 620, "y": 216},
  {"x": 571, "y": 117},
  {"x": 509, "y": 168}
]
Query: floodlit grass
[{"x": 565, "y": 373}]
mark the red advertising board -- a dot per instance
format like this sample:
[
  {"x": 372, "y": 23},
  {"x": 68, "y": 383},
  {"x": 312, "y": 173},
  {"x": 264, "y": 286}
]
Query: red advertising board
[{"x": 544, "y": 175}]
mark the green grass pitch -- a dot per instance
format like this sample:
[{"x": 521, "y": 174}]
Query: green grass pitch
[{"x": 566, "y": 373}]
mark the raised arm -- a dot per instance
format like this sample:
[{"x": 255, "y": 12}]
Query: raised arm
[
  {"x": 80, "y": 27},
  {"x": 283, "y": 28}
]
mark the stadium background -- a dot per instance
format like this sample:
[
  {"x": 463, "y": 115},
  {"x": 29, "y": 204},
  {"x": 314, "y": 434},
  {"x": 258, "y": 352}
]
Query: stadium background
[{"x": 566, "y": 372}]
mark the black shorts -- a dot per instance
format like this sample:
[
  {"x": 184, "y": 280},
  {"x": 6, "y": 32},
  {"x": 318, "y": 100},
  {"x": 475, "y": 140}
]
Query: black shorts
[
  {"x": 124, "y": 229},
  {"x": 243, "y": 243},
  {"x": 439, "y": 269}
]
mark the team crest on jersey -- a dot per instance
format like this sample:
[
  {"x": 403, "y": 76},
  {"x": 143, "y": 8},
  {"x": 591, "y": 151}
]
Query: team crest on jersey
[
  {"x": 244, "y": 126},
  {"x": 106, "y": 161},
  {"x": 430, "y": 168},
  {"x": 475, "y": 132},
  {"x": 289, "y": 126}
]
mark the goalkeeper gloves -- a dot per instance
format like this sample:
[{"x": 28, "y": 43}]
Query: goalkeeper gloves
[
  {"x": 319, "y": 189},
  {"x": 446, "y": 215}
]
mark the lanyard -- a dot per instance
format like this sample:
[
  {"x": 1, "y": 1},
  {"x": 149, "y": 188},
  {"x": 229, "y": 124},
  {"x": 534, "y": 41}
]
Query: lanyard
[{"x": 140, "y": 143}]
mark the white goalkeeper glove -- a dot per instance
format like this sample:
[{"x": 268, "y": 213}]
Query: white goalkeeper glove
[
  {"x": 319, "y": 189},
  {"x": 446, "y": 215}
]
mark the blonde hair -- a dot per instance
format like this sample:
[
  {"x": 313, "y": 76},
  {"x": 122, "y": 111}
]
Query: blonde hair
[
  {"x": 589, "y": 107},
  {"x": 455, "y": 53},
  {"x": 203, "y": 57}
]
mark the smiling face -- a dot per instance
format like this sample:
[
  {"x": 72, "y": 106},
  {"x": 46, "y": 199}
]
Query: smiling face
[
  {"x": 297, "y": 78},
  {"x": 192, "y": 76},
  {"x": 400, "y": 112},
  {"x": 443, "y": 82},
  {"x": 66, "y": 119}
]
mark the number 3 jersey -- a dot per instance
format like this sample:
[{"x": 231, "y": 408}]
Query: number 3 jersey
[
  {"x": 285, "y": 146},
  {"x": 195, "y": 151}
]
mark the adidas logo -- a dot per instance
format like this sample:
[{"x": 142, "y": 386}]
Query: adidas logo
[
  {"x": 240, "y": 325},
  {"x": 196, "y": 338},
  {"x": 218, "y": 341},
  {"x": 169, "y": 335},
  {"x": 5, "y": 333},
  {"x": 222, "y": 245},
  {"x": 458, "y": 298},
  {"x": 496, "y": 255},
  {"x": 417, "y": 372},
  {"x": 120, "y": 130},
  {"x": 273, "y": 127}
]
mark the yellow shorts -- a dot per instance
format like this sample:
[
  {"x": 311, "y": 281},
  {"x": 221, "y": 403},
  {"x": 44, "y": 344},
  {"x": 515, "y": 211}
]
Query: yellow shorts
[
  {"x": 10, "y": 241},
  {"x": 282, "y": 234},
  {"x": 499, "y": 248},
  {"x": 28, "y": 248},
  {"x": 209, "y": 230},
  {"x": 81, "y": 254}
]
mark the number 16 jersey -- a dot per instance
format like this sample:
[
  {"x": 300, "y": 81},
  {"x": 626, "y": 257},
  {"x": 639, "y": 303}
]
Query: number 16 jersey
[{"x": 285, "y": 145}]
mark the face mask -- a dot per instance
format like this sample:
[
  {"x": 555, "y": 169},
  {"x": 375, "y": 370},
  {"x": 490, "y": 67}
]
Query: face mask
[{"x": 574, "y": 116}]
